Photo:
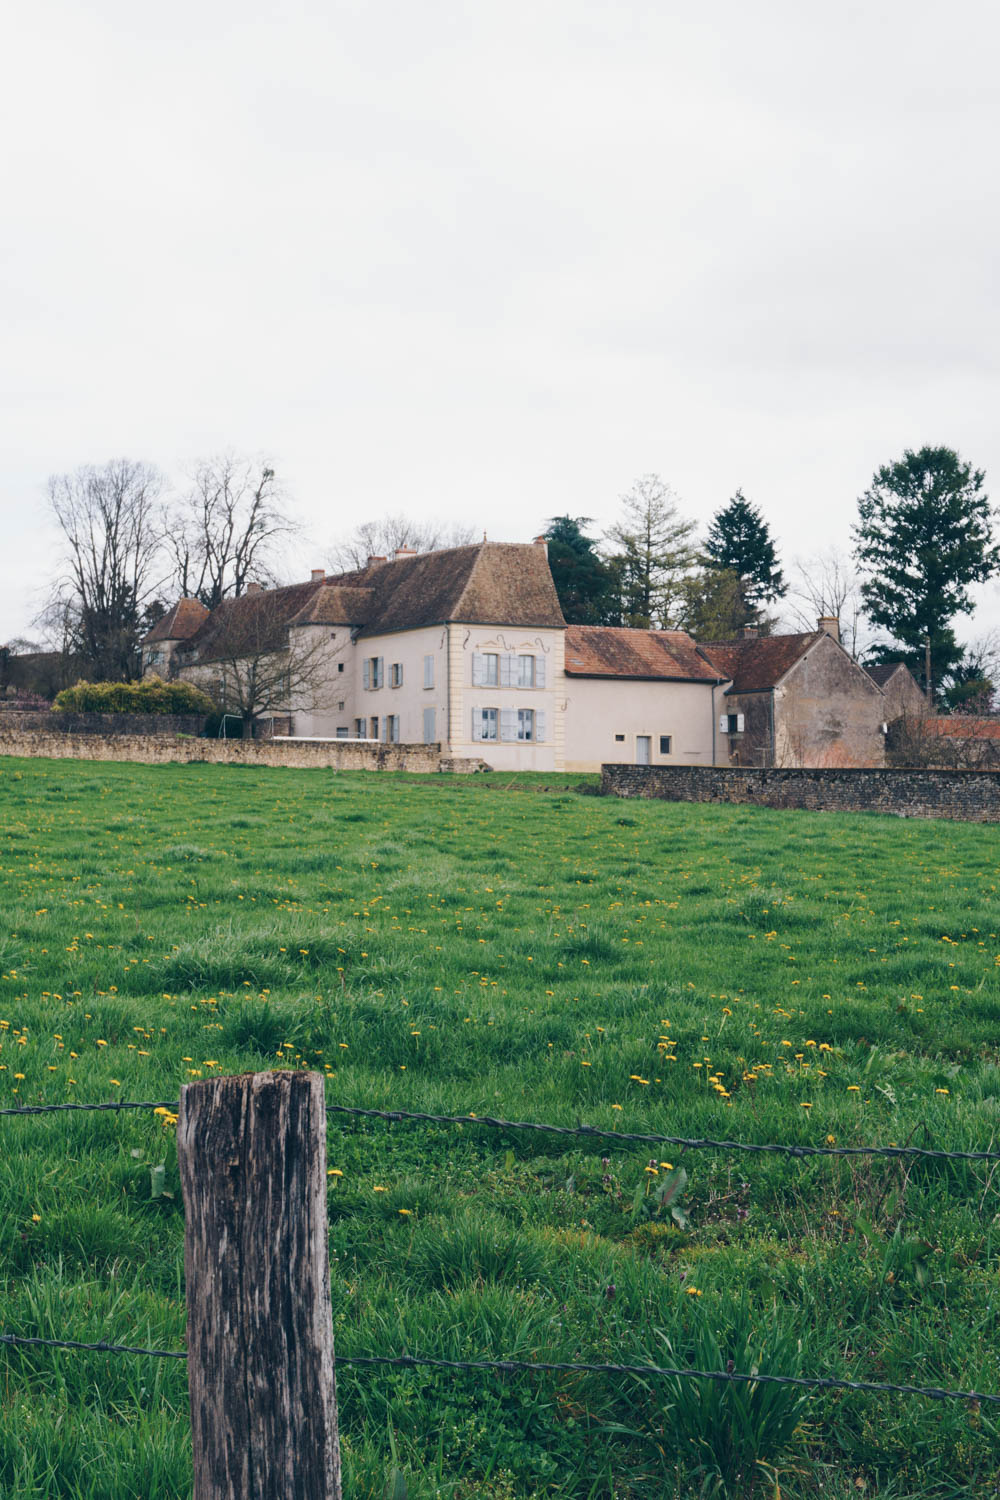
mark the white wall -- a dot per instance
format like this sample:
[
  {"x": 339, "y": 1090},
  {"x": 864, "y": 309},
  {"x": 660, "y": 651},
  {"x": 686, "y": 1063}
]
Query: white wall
[
  {"x": 598, "y": 709},
  {"x": 408, "y": 702},
  {"x": 464, "y": 642}
]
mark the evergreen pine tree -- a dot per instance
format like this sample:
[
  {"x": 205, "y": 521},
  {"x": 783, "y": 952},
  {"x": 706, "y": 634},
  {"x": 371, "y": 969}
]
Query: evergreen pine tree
[
  {"x": 924, "y": 534},
  {"x": 739, "y": 540},
  {"x": 584, "y": 582}
]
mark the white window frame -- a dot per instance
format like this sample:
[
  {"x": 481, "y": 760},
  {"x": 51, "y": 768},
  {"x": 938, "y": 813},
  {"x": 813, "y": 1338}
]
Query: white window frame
[
  {"x": 485, "y": 669},
  {"x": 526, "y": 725},
  {"x": 486, "y": 725},
  {"x": 527, "y": 670}
]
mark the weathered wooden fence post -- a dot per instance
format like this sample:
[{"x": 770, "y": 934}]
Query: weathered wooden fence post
[{"x": 252, "y": 1156}]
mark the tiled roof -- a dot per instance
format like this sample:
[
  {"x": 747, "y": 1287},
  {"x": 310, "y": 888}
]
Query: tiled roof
[
  {"x": 880, "y": 675},
  {"x": 758, "y": 663},
  {"x": 958, "y": 726},
  {"x": 336, "y": 606},
  {"x": 493, "y": 583},
  {"x": 178, "y": 623},
  {"x": 251, "y": 625},
  {"x": 610, "y": 651}
]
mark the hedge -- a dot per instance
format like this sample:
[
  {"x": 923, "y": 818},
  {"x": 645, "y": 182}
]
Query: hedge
[{"x": 150, "y": 696}]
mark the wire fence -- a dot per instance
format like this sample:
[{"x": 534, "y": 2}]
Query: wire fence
[
  {"x": 593, "y": 1132},
  {"x": 510, "y": 1366},
  {"x": 519, "y": 1366}
]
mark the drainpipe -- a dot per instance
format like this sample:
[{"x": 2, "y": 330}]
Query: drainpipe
[
  {"x": 771, "y": 701},
  {"x": 713, "y": 723}
]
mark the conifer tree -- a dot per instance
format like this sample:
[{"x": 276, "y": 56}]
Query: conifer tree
[{"x": 740, "y": 541}]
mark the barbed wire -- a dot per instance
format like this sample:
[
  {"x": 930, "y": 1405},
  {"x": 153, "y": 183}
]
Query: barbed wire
[
  {"x": 51, "y": 1109},
  {"x": 563, "y": 1367},
  {"x": 687, "y": 1143}
]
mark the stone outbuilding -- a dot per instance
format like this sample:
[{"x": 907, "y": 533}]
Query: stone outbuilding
[
  {"x": 903, "y": 698},
  {"x": 796, "y": 700}
]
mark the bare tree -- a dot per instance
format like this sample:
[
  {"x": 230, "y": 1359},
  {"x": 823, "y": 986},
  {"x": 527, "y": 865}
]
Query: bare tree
[
  {"x": 222, "y": 534},
  {"x": 827, "y": 584},
  {"x": 652, "y": 553},
  {"x": 254, "y": 666},
  {"x": 380, "y": 538},
  {"x": 110, "y": 519}
]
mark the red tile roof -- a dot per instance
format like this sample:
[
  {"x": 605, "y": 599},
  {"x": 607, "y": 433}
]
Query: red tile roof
[
  {"x": 612, "y": 651},
  {"x": 758, "y": 663},
  {"x": 960, "y": 726}
]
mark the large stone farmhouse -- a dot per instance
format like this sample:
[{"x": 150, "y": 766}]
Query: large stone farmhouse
[{"x": 468, "y": 648}]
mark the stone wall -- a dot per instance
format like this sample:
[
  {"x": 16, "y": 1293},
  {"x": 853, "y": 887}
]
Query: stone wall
[
  {"x": 973, "y": 796},
  {"x": 58, "y": 722},
  {"x": 340, "y": 755}
]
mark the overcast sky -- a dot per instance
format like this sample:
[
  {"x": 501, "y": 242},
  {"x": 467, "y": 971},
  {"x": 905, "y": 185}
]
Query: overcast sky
[{"x": 491, "y": 261}]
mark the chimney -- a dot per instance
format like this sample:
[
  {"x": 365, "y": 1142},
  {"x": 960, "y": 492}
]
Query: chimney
[
  {"x": 831, "y": 624},
  {"x": 373, "y": 558},
  {"x": 318, "y": 575},
  {"x": 405, "y": 552},
  {"x": 750, "y": 632},
  {"x": 255, "y": 588},
  {"x": 540, "y": 541}
]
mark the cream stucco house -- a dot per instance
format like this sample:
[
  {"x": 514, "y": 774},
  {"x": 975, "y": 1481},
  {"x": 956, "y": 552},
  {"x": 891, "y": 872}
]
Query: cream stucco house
[
  {"x": 462, "y": 648},
  {"x": 467, "y": 648}
]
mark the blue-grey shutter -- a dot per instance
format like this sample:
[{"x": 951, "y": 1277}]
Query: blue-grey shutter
[
  {"x": 366, "y": 673},
  {"x": 539, "y": 726},
  {"x": 507, "y": 669},
  {"x": 477, "y": 721},
  {"x": 428, "y": 671},
  {"x": 380, "y": 671},
  {"x": 428, "y": 725},
  {"x": 508, "y": 723},
  {"x": 539, "y": 671},
  {"x": 478, "y": 670}
]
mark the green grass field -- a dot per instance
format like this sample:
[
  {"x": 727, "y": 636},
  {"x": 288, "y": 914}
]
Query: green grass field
[{"x": 461, "y": 945}]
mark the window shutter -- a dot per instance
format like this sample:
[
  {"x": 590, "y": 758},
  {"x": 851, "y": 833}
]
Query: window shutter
[
  {"x": 739, "y": 723},
  {"x": 539, "y": 726},
  {"x": 539, "y": 672},
  {"x": 508, "y": 723},
  {"x": 380, "y": 671},
  {"x": 366, "y": 673},
  {"x": 723, "y": 723},
  {"x": 428, "y": 671},
  {"x": 477, "y": 718},
  {"x": 507, "y": 669},
  {"x": 478, "y": 670}
]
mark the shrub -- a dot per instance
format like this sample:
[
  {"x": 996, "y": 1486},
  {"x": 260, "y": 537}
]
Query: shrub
[{"x": 150, "y": 696}]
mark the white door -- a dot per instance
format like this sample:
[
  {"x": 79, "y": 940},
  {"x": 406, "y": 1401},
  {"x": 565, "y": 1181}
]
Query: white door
[{"x": 642, "y": 749}]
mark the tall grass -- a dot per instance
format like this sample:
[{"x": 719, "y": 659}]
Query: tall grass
[{"x": 462, "y": 946}]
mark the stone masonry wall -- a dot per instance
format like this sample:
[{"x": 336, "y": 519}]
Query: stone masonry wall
[
  {"x": 971, "y": 796},
  {"x": 58, "y": 722},
  {"x": 341, "y": 755}
]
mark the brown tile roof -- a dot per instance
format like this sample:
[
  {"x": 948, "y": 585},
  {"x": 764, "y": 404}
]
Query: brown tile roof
[
  {"x": 493, "y": 583},
  {"x": 758, "y": 664},
  {"x": 880, "y": 675},
  {"x": 611, "y": 651},
  {"x": 250, "y": 625},
  {"x": 336, "y": 606},
  {"x": 178, "y": 623}
]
